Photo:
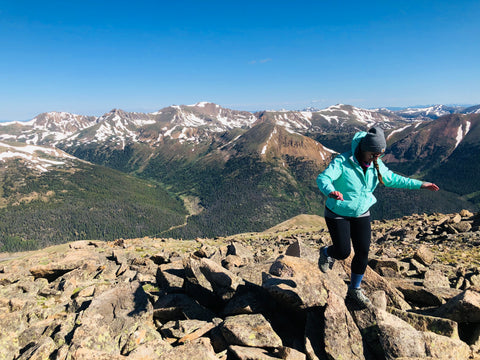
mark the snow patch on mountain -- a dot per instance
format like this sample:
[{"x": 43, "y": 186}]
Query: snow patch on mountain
[
  {"x": 338, "y": 107},
  {"x": 30, "y": 154},
  {"x": 264, "y": 150},
  {"x": 397, "y": 131},
  {"x": 461, "y": 133}
]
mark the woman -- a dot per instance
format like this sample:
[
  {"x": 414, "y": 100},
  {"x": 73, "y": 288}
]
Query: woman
[{"x": 349, "y": 182}]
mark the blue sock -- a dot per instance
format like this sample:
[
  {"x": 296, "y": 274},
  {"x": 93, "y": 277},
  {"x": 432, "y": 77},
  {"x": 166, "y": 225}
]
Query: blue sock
[
  {"x": 355, "y": 281},
  {"x": 325, "y": 252}
]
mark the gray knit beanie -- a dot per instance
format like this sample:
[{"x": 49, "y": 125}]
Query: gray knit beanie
[{"x": 374, "y": 141}]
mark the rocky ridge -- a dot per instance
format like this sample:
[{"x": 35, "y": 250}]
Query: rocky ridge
[{"x": 249, "y": 296}]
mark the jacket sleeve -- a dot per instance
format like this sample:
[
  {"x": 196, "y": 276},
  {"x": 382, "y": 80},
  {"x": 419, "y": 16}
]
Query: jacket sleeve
[
  {"x": 397, "y": 181},
  {"x": 329, "y": 175}
]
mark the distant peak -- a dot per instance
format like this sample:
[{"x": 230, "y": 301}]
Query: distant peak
[{"x": 203, "y": 104}]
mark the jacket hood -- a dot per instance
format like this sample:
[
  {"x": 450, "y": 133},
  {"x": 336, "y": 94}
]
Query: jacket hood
[{"x": 356, "y": 140}]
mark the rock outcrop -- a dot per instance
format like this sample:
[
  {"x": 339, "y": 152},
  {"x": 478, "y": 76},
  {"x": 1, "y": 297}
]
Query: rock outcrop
[{"x": 260, "y": 296}]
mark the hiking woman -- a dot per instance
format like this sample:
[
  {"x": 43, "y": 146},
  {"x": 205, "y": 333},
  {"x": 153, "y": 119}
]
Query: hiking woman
[{"x": 349, "y": 182}]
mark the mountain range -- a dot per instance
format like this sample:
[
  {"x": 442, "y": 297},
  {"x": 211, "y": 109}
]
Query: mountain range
[{"x": 204, "y": 170}]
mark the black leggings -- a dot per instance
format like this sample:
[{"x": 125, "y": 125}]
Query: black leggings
[{"x": 359, "y": 229}]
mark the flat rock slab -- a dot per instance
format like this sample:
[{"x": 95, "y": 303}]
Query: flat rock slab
[{"x": 250, "y": 330}]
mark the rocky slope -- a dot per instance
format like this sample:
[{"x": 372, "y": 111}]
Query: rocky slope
[{"x": 250, "y": 296}]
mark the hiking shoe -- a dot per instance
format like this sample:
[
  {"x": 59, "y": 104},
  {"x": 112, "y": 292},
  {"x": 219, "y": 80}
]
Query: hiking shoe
[
  {"x": 325, "y": 262},
  {"x": 359, "y": 297}
]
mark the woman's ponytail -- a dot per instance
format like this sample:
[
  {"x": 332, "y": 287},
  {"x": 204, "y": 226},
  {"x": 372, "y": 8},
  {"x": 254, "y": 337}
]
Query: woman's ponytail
[{"x": 380, "y": 179}]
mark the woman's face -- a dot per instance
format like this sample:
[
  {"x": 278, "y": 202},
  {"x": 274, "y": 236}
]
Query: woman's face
[{"x": 368, "y": 156}]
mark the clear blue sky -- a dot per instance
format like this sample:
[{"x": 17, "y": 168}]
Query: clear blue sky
[{"x": 90, "y": 56}]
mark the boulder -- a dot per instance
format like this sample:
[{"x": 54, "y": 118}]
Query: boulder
[
  {"x": 421, "y": 322},
  {"x": 196, "y": 284},
  {"x": 170, "y": 276},
  {"x": 41, "y": 350},
  {"x": 462, "y": 226},
  {"x": 250, "y": 330},
  {"x": 172, "y": 307},
  {"x": 287, "y": 353},
  {"x": 463, "y": 308},
  {"x": 415, "y": 293},
  {"x": 299, "y": 284},
  {"x": 251, "y": 353},
  {"x": 200, "y": 349},
  {"x": 381, "y": 263},
  {"x": 112, "y": 318},
  {"x": 424, "y": 255},
  {"x": 150, "y": 350},
  {"x": 299, "y": 249},
  {"x": 341, "y": 335},
  {"x": 246, "y": 302},
  {"x": 180, "y": 328},
  {"x": 89, "y": 354},
  {"x": 236, "y": 248},
  {"x": 435, "y": 279},
  {"x": 399, "y": 339},
  {"x": 224, "y": 283},
  {"x": 466, "y": 213}
]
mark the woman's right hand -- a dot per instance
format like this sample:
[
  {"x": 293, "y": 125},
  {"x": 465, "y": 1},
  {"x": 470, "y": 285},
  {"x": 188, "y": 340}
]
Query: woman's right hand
[{"x": 337, "y": 195}]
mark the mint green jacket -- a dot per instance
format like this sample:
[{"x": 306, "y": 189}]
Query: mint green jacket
[{"x": 345, "y": 174}]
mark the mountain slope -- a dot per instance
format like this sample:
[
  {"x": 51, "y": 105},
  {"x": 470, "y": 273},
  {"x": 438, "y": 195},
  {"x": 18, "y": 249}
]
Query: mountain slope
[
  {"x": 238, "y": 171},
  {"x": 249, "y": 183},
  {"x": 60, "y": 198},
  {"x": 426, "y": 145}
]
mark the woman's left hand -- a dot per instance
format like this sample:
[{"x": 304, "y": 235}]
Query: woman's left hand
[{"x": 430, "y": 186}]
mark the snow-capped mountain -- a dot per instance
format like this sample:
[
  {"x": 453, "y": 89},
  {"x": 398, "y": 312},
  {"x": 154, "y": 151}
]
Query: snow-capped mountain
[
  {"x": 335, "y": 118},
  {"x": 183, "y": 123},
  {"x": 428, "y": 112},
  {"x": 472, "y": 110},
  {"x": 245, "y": 171},
  {"x": 34, "y": 157},
  {"x": 46, "y": 128}
]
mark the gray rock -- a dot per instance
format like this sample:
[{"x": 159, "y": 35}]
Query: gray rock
[
  {"x": 251, "y": 353},
  {"x": 196, "y": 284},
  {"x": 424, "y": 255},
  {"x": 250, "y": 330},
  {"x": 341, "y": 335},
  {"x": 112, "y": 317},
  {"x": 232, "y": 261},
  {"x": 200, "y": 349},
  {"x": 170, "y": 277},
  {"x": 246, "y": 303},
  {"x": 40, "y": 351},
  {"x": 379, "y": 299},
  {"x": 463, "y": 308},
  {"x": 377, "y": 264},
  {"x": 179, "y": 328},
  {"x": 287, "y": 353},
  {"x": 421, "y": 322},
  {"x": 299, "y": 249},
  {"x": 180, "y": 307},
  {"x": 299, "y": 283},
  {"x": 399, "y": 339},
  {"x": 415, "y": 293},
  {"x": 150, "y": 350},
  {"x": 435, "y": 279},
  {"x": 462, "y": 226},
  {"x": 224, "y": 283},
  {"x": 236, "y": 248}
]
